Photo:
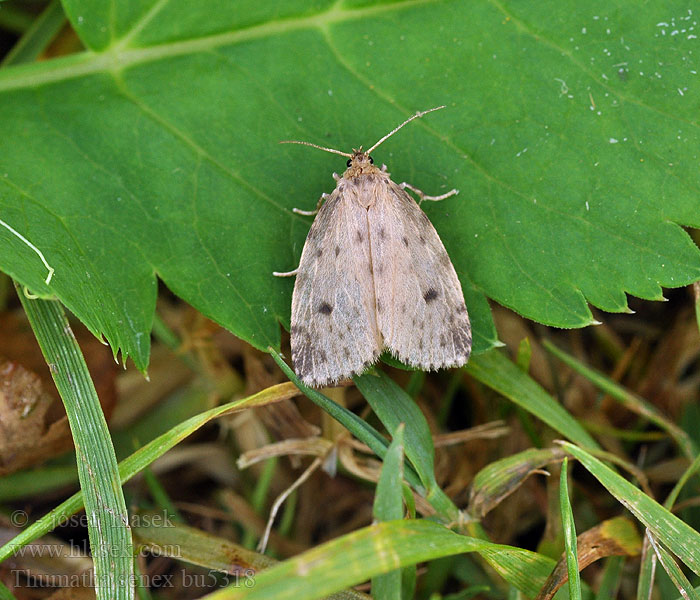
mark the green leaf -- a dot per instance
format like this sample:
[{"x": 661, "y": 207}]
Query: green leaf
[
  {"x": 570, "y": 131},
  {"x": 677, "y": 536}
]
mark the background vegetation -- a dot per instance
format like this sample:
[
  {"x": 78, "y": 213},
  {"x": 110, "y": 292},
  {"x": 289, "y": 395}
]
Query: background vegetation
[{"x": 139, "y": 167}]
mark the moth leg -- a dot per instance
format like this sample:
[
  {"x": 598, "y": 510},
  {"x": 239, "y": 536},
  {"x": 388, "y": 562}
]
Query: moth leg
[
  {"x": 383, "y": 168},
  {"x": 311, "y": 213},
  {"x": 336, "y": 176},
  {"x": 287, "y": 274},
  {"x": 424, "y": 196},
  {"x": 306, "y": 213}
]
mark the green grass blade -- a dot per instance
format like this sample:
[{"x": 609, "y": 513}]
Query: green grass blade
[
  {"x": 647, "y": 572},
  {"x": 692, "y": 469},
  {"x": 354, "y": 424},
  {"x": 570, "y": 543},
  {"x": 610, "y": 581},
  {"x": 15, "y": 18},
  {"x": 629, "y": 400},
  {"x": 42, "y": 31},
  {"x": 676, "y": 535},
  {"x": 34, "y": 482},
  {"x": 110, "y": 537},
  {"x": 361, "y": 430},
  {"x": 388, "y": 498},
  {"x": 696, "y": 291},
  {"x": 5, "y": 594},
  {"x": 388, "y": 506},
  {"x": 499, "y": 479},
  {"x": 672, "y": 569},
  {"x": 197, "y": 547},
  {"x": 394, "y": 406},
  {"x": 380, "y": 548},
  {"x": 144, "y": 457},
  {"x": 494, "y": 370}
]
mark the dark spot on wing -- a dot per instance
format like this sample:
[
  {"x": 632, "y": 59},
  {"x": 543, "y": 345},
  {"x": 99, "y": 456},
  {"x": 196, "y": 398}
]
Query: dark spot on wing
[
  {"x": 346, "y": 351},
  {"x": 319, "y": 253},
  {"x": 325, "y": 308},
  {"x": 445, "y": 259},
  {"x": 424, "y": 217},
  {"x": 422, "y": 239},
  {"x": 359, "y": 238},
  {"x": 322, "y": 356},
  {"x": 443, "y": 341},
  {"x": 430, "y": 295},
  {"x": 337, "y": 250},
  {"x": 403, "y": 308},
  {"x": 420, "y": 345},
  {"x": 404, "y": 239},
  {"x": 382, "y": 233},
  {"x": 380, "y": 268},
  {"x": 462, "y": 308},
  {"x": 379, "y": 306},
  {"x": 341, "y": 335}
]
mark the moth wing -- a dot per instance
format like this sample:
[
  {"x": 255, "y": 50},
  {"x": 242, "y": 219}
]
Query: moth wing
[
  {"x": 421, "y": 312},
  {"x": 334, "y": 329}
]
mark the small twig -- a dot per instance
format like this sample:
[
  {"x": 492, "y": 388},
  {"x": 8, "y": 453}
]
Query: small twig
[{"x": 282, "y": 497}]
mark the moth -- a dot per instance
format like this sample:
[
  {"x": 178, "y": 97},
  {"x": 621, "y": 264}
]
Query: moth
[{"x": 374, "y": 275}]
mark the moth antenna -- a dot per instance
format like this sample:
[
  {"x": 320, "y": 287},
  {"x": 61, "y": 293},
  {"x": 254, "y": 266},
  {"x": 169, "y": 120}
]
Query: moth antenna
[
  {"x": 418, "y": 115},
  {"x": 333, "y": 150}
]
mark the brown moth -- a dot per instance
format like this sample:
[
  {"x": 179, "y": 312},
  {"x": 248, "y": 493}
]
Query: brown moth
[{"x": 374, "y": 275}]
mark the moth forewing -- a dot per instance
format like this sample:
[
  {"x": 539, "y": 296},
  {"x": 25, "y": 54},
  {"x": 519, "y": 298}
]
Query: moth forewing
[
  {"x": 334, "y": 330},
  {"x": 421, "y": 312},
  {"x": 374, "y": 275}
]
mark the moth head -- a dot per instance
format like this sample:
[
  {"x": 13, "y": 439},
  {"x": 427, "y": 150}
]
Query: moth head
[{"x": 359, "y": 163}]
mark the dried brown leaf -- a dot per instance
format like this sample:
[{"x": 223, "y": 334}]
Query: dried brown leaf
[{"x": 614, "y": 537}]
